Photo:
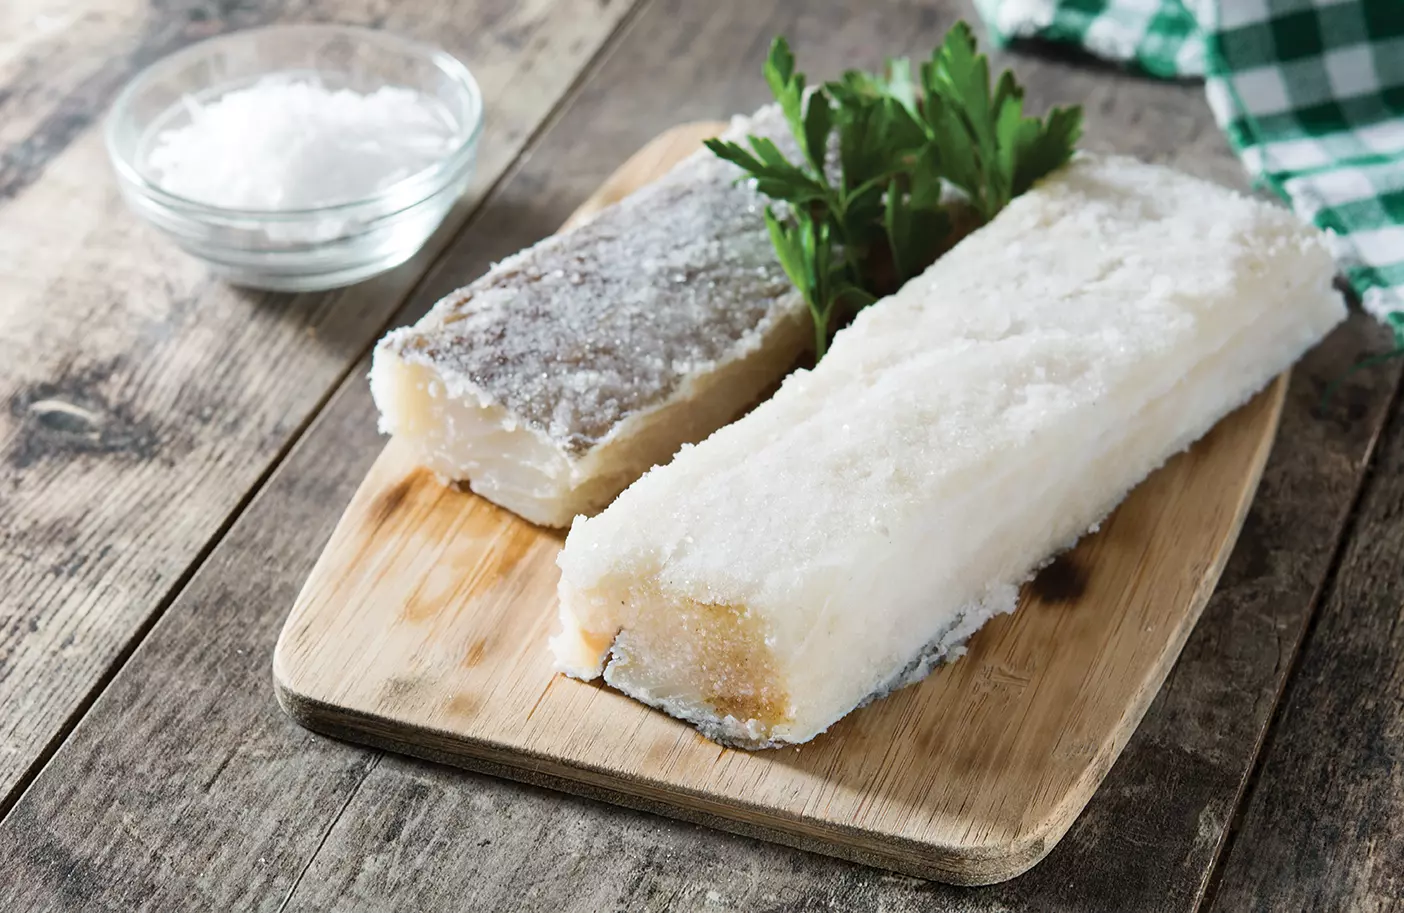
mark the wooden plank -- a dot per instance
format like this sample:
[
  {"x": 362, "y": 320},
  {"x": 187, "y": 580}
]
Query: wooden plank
[
  {"x": 186, "y": 787},
  {"x": 145, "y": 400},
  {"x": 423, "y": 628},
  {"x": 1321, "y": 830}
]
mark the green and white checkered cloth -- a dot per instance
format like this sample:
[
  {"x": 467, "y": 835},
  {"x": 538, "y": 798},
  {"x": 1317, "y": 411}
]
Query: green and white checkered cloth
[{"x": 1309, "y": 92}]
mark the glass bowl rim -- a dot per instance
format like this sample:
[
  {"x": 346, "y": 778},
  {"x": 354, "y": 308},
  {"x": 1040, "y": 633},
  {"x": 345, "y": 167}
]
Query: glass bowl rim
[{"x": 432, "y": 178}]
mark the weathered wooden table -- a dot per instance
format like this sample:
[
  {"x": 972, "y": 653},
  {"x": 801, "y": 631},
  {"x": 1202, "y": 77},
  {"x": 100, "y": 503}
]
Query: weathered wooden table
[{"x": 174, "y": 453}]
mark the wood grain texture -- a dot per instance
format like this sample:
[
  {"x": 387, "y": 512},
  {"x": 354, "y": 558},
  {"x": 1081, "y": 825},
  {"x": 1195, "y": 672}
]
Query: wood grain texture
[
  {"x": 423, "y": 628},
  {"x": 142, "y": 400},
  {"x": 1324, "y": 825},
  {"x": 186, "y": 787}
]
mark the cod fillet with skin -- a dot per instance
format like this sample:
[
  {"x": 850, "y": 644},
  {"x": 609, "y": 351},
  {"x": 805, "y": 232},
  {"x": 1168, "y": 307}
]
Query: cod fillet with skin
[
  {"x": 853, "y": 531},
  {"x": 572, "y": 367}
]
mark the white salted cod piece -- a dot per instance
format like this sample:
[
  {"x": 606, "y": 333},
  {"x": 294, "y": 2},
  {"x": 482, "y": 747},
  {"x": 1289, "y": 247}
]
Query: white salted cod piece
[
  {"x": 570, "y": 368},
  {"x": 856, "y": 528}
]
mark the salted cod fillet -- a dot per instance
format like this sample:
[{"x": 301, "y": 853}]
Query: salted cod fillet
[
  {"x": 853, "y": 531},
  {"x": 573, "y": 366}
]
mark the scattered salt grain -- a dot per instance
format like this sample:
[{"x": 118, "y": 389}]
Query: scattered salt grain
[{"x": 285, "y": 143}]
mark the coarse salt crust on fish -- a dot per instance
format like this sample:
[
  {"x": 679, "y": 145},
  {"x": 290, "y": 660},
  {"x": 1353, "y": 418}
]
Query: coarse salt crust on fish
[{"x": 858, "y": 527}]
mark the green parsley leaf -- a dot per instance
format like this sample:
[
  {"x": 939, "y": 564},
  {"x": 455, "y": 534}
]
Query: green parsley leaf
[
  {"x": 866, "y": 209},
  {"x": 786, "y": 85},
  {"x": 993, "y": 152}
]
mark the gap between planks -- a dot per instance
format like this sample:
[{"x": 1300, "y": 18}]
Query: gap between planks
[{"x": 1228, "y": 843}]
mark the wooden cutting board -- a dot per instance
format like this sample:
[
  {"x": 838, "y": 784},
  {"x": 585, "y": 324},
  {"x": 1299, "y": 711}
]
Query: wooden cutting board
[{"x": 423, "y": 629}]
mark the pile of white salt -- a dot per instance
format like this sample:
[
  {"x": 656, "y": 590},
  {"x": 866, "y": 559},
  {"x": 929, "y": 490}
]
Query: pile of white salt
[{"x": 286, "y": 144}]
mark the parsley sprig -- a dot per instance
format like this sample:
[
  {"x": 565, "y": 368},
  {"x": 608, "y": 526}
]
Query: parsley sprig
[{"x": 850, "y": 234}]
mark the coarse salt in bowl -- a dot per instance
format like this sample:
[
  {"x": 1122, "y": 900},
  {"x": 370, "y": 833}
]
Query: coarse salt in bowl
[{"x": 298, "y": 157}]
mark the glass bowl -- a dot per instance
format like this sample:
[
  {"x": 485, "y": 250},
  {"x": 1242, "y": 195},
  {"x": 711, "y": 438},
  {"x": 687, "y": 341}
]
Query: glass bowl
[{"x": 297, "y": 249}]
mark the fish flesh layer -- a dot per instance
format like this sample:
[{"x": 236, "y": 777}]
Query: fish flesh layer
[
  {"x": 570, "y": 368},
  {"x": 859, "y": 526}
]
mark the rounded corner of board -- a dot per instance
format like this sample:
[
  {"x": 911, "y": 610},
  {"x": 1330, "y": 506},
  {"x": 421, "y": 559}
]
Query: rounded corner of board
[
  {"x": 301, "y": 708},
  {"x": 285, "y": 679},
  {"x": 992, "y": 866}
]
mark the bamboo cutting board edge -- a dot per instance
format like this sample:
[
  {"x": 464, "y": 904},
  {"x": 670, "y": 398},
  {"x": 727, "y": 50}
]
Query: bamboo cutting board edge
[
  {"x": 318, "y": 705},
  {"x": 950, "y": 864}
]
